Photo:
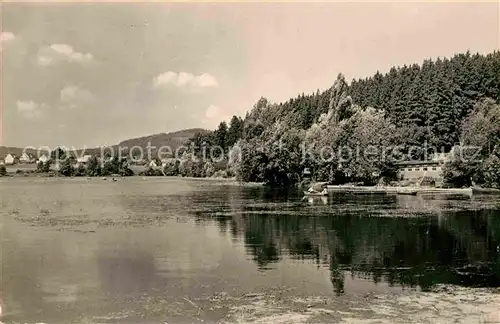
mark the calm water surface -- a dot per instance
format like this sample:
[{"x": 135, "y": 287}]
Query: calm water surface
[{"x": 166, "y": 249}]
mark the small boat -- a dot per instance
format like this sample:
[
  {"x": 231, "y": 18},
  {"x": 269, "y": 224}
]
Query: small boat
[
  {"x": 317, "y": 189},
  {"x": 318, "y": 186}
]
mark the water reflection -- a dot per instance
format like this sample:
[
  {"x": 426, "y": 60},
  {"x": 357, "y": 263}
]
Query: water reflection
[
  {"x": 426, "y": 241},
  {"x": 317, "y": 200},
  {"x": 176, "y": 238}
]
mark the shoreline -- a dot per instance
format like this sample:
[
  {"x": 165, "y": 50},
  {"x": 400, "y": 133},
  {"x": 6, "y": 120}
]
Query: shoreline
[
  {"x": 225, "y": 181},
  {"x": 233, "y": 181},
  {"x": 397, "y": 189}
]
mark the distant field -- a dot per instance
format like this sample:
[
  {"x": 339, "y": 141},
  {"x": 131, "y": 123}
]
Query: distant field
[
  {"x": 27, "y": 167},
  {"x": 24, "y": 167}
]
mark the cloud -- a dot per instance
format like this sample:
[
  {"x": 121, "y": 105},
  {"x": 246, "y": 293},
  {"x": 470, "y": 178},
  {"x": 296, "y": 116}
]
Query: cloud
[
  {"x": 186, "y": 81},
  {"x": 54, "y": 53},
  {"x": 6, "y": 37},
  {"x": 30, "y": 109},
  {"x": 74, "y": 95}
]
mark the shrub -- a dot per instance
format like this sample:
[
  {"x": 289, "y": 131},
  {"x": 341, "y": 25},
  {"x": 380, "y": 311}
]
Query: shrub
[
  {"x": 93, "y": 167},
  {"x": 66, "y": 168},
  {"x": 458, "y": 173},
  {"x": 230, "y": 173},
  {"x": 172, "y": 168},
  {"x": 220, "y": 174},
  {"x": 208, "y": 169},
  {"x": 3, "y": 170},
  {"x": 116, "y": 166},
  {"x": 43, "y": 167},
  {"x": 125, "y": 171},
  {"x": 490, "y": 171},
  {"x": 80, "y": 171},
  {"x": 152, "y": 172}
]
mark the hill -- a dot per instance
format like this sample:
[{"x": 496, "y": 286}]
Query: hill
[
  {"x": 167, "y": 140},
  {"x": 172, "y": 140},
  {"x": 4, "y": 150}
]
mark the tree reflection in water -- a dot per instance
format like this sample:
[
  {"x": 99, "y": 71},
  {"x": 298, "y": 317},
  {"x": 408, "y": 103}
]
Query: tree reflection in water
[{"x": 422, "y": 243}]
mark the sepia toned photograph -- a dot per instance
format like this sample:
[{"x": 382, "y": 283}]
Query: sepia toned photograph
[{"x": 249, "y": 162}]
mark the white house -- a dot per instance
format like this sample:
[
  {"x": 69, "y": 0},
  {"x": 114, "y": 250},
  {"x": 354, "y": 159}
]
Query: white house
[
  {"x": 83, "y": 159},
  {"x": 25, "y": 158},
  {"x": 9, "y": 159},
  {"x": 44, "y": 158}
]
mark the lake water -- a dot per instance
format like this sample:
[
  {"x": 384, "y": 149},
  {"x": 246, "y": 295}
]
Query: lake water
[{"x": 171, "y": 250}]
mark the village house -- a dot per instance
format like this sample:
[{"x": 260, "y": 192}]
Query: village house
[
  {"x": 25, "y": 158},
  {"x": 10, "y": 159},
  {"x": 42, "y": 159},
  {"x": 83, "y": 159}
]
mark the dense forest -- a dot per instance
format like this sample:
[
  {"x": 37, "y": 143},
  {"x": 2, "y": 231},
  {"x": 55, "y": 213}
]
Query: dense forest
[{"x": 433, "y": 106}]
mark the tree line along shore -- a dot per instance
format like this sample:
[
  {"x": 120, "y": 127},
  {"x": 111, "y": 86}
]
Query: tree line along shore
[{"x": 442, "y": 103}]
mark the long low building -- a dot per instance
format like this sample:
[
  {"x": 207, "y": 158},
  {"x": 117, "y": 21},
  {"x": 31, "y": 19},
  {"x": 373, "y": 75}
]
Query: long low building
[
  {"x": 431, "y": 168},
  {"x": 411, "y": 170}
]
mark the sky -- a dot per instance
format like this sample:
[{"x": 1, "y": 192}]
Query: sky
[{"x": 91, "y": 74}]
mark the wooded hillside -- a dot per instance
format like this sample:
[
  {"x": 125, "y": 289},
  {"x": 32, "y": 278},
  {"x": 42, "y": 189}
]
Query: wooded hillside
[{"x": 423, "y": 106}]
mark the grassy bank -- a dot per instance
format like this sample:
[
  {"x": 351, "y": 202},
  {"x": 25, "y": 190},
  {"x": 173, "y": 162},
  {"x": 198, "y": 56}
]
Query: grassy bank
[{"x": 27, "y": 173}]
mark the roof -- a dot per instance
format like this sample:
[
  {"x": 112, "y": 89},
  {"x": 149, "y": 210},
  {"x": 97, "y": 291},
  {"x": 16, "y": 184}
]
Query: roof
[
  {"x": 83, "y": 159},
  {"x": 427, "y": 162}
]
